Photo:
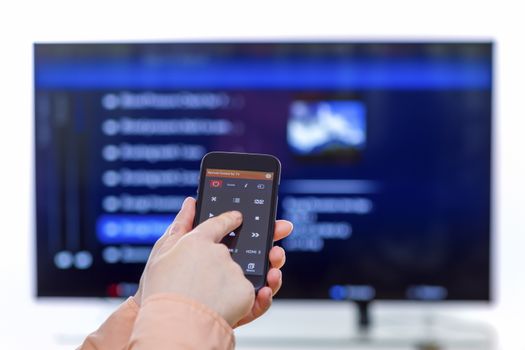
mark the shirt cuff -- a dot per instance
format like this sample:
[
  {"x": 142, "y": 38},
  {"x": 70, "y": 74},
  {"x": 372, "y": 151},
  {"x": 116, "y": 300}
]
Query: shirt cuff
[{"x": 167, "y": 321}]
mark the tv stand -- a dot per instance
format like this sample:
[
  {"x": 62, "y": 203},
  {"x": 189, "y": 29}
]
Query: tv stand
[
  {"x": 429, "y": 331},
  {"x": 363, "y": 316},
  {"x": 367, "y": 325}
]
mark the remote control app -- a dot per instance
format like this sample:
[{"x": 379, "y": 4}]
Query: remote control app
[{"x": 250, "y": 193}]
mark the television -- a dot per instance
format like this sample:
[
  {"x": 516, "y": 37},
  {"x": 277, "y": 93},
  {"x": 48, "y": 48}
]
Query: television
[{"x": 385, "y": 150}]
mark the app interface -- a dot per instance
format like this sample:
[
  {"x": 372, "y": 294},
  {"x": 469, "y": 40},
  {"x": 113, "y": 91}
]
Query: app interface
[{"x": 249, "y": 192}]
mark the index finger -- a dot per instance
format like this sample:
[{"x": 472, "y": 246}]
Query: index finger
[{"x": 219, "y": 226}]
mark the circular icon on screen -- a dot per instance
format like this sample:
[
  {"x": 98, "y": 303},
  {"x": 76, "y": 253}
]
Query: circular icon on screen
[{"x": 216, "y": 183}]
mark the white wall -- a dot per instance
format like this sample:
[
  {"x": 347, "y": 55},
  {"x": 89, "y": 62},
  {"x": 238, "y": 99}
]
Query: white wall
[{"x": 23, "y": 22}]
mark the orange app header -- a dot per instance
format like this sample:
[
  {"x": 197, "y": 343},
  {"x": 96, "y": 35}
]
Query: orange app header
[{"x": 239, "y": 174}]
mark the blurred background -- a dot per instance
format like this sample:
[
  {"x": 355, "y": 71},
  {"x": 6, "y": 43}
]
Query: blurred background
[{"x": 398, "y": 125}]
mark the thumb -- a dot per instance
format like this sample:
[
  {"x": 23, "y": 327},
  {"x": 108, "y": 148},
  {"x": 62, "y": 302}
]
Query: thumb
[
  {"x": 216, "y": 228},
  {"x": 179, "y": 227},
  {"x": 184, "y": 220}
]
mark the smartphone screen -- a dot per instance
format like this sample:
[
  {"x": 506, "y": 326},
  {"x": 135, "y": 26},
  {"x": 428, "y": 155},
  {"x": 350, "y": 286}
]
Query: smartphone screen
[{"x": 252, "y": 192}]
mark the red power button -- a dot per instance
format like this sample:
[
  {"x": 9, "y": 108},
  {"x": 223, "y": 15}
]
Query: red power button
[{"x": 216, "y": 183}]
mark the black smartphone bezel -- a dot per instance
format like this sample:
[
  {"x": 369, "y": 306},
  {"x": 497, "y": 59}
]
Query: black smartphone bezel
[{"x": 248, "y": 162}]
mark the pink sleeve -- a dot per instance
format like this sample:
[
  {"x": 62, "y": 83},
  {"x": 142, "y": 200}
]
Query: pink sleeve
[
  {"x": 170, "y": 321},
  {"x": 114, "y": 333}
]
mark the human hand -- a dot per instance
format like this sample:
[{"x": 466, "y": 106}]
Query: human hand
[
  {"x": 183, "y": 224},
  {"x": 199, "y": 267}
]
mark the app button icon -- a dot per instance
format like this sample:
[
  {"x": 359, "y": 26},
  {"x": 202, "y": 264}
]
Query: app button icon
[
  {"x": 236, "y": 200},
  {"x": 260, "y": 186},
  {"x": 216, "y": 183}
]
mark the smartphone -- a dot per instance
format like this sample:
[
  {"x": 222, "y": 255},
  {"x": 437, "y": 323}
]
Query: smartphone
[{"x": 248, "y": 183}]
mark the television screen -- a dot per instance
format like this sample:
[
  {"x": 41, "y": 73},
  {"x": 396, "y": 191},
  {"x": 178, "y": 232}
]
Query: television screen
[{"x": 385, "y": 150}]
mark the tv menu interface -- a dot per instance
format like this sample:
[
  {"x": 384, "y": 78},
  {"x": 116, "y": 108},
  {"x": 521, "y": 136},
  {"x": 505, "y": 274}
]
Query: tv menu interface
[{"x": 385, "y": 152}]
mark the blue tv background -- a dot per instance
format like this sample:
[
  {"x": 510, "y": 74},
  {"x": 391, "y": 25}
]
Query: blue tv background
[{"x": 425, "y": 233}]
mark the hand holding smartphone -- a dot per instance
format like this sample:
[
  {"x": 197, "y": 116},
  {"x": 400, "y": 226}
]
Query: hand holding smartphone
[{"x": 247, "y": 183}]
